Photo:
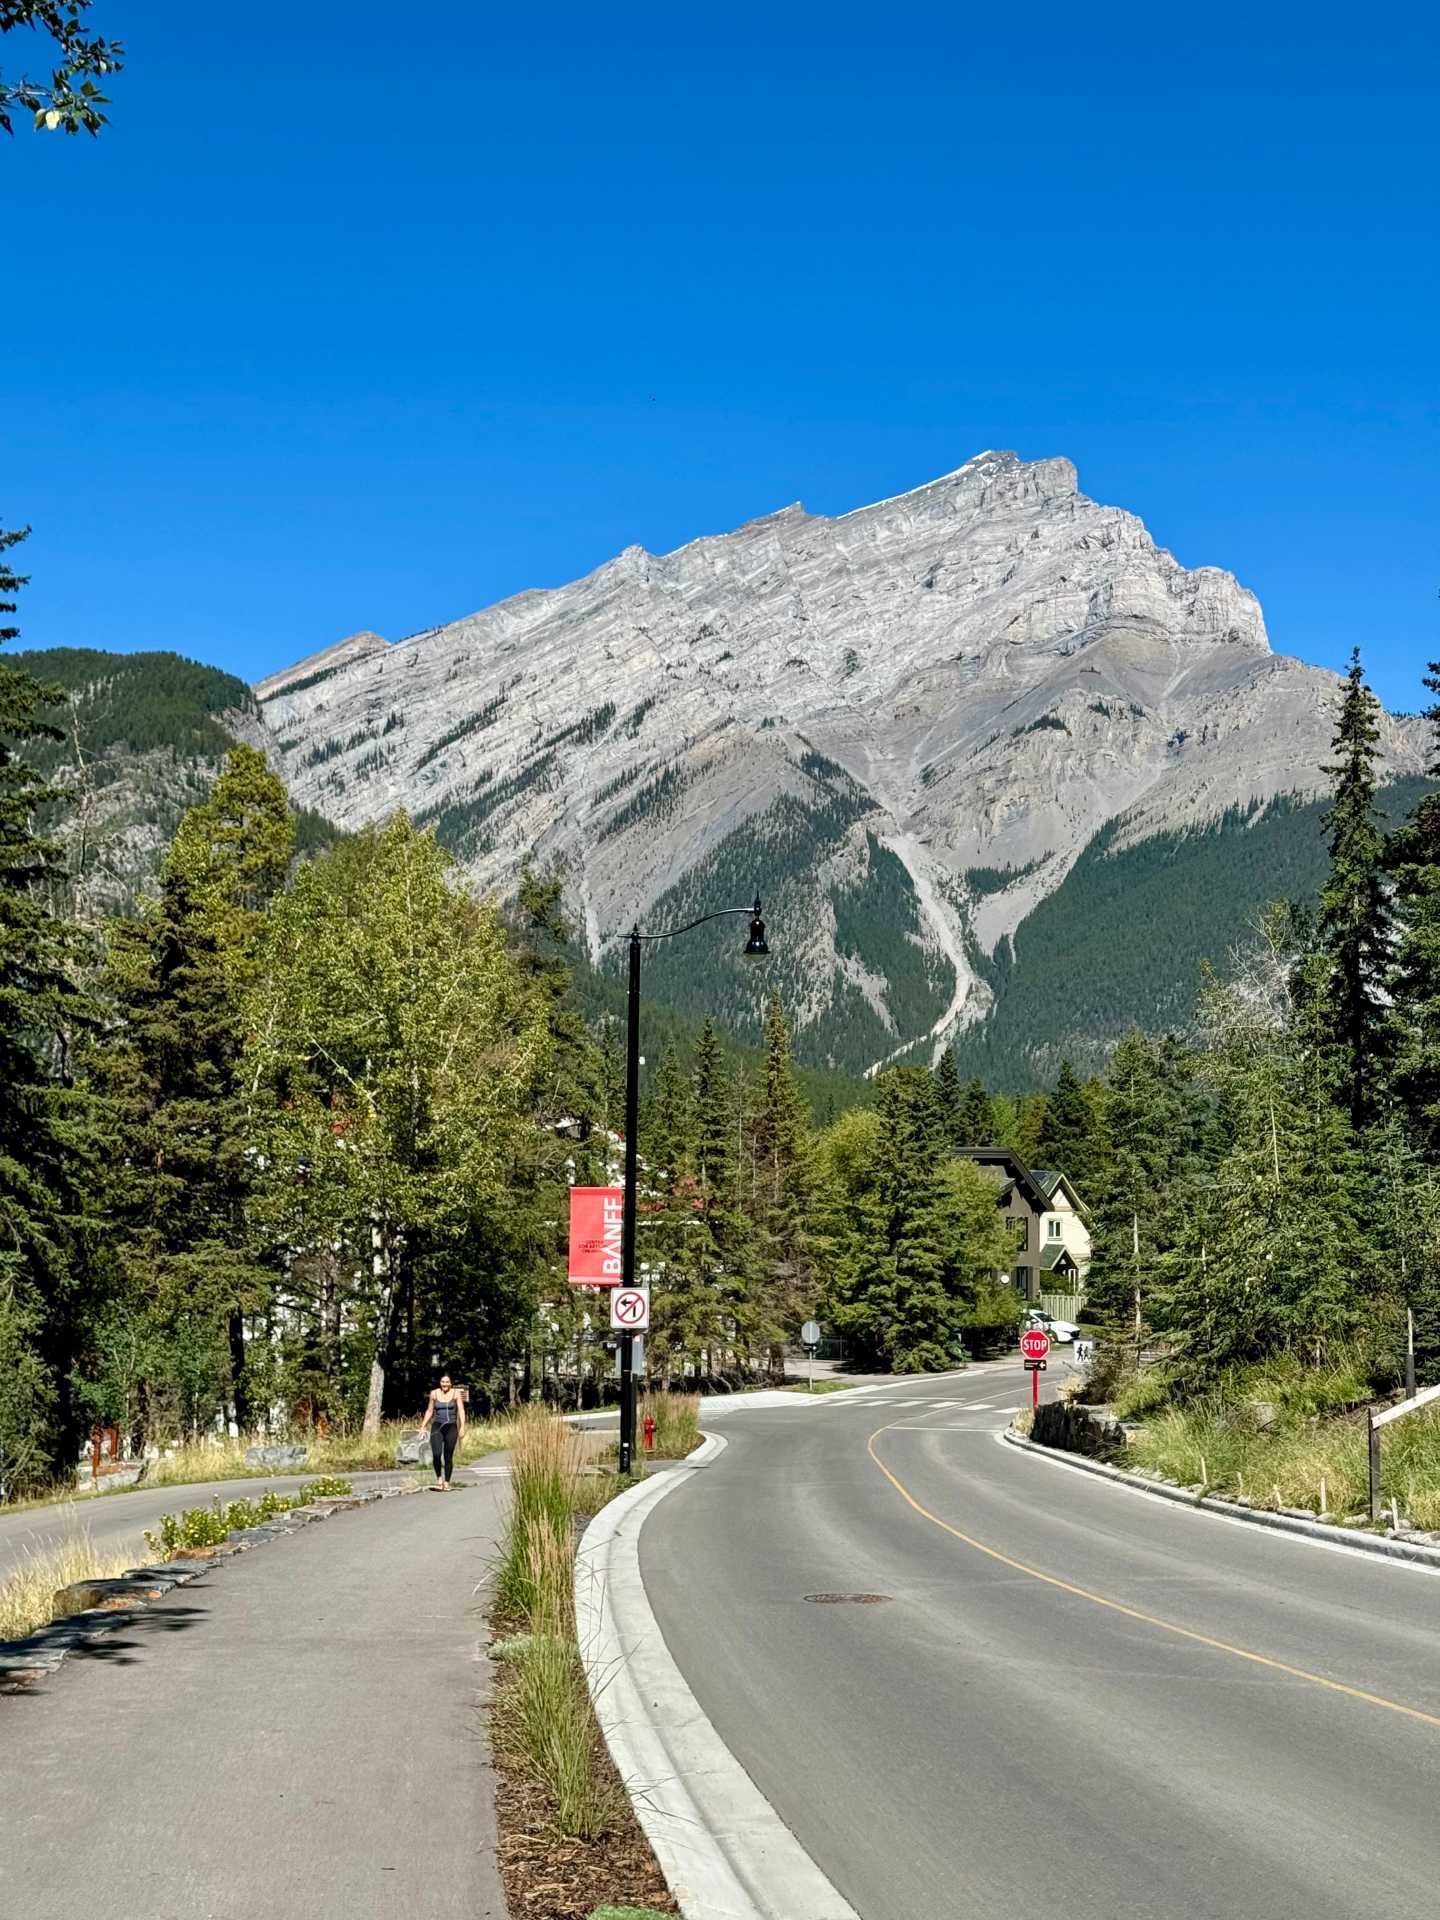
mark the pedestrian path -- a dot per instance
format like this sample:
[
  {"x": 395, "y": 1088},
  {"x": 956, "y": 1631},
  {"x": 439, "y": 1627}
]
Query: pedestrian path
[{"x": 296, "y": 1735}]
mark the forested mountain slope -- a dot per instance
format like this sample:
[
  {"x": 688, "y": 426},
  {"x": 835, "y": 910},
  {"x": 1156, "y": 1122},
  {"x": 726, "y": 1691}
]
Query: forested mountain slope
[{"x": 144, "y": 738}]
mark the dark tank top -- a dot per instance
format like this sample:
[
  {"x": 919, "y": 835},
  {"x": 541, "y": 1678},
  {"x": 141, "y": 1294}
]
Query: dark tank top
[{"x": 444, "y": 1412}]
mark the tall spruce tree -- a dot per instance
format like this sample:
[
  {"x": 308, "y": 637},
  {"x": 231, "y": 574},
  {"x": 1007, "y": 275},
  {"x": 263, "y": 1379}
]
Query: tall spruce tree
[
  {"x": 183, "y": 1094},
  {"x": 916, "y": 1234},
  {"x": 1070, "y": 1131},
  {"x": 1413, "y": 857},
  {"x": 950, "y": 1098},
  {"x": 1346, "y": 986},
  {"x": 978, "y": 1127},
  {"x": 785, "y": 1182},
  {"x": 48, "y": 1138}
]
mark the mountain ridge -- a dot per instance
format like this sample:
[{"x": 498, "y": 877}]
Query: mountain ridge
[{"x": 971, "y": 677}]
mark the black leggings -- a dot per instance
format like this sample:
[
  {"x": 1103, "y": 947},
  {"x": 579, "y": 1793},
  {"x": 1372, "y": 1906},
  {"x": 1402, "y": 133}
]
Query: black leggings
[{"x": 442, "y": 1446}]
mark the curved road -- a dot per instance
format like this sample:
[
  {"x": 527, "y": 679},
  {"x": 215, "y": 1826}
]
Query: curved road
[{"x": 1070, "y": 1695}]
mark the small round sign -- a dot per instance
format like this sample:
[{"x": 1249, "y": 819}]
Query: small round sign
[
  {"x": 1034, "y": 1343},
  {"x": 810, "y": 1334}
]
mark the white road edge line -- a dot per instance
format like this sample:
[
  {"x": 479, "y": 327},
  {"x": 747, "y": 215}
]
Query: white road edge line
[
  {"x": 1047, "y": 1456},
  {"x": 725, "y": 1852}
]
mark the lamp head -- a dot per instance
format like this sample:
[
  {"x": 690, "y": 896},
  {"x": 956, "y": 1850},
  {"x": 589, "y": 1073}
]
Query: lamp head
[{"x": 756, "y": 947}]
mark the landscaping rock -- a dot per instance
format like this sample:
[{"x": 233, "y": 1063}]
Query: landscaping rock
[
  {"x": 278, "y": 1458},
  {"x": 414, "y": 1452}
]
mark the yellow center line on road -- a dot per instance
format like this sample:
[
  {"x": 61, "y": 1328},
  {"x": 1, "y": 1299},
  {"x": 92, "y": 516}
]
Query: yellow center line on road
[{"x": 1134, "y": 1613}]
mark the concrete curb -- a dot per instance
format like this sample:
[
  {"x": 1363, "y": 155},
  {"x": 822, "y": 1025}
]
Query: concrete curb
[
  {"x": 24, "y": 1661},
  {"x": 1405, "y": 1550},
  {"x": 723, "y": 1849}
]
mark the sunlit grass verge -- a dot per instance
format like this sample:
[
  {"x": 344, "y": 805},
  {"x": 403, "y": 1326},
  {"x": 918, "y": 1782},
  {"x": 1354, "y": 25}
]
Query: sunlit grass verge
[
  {"x": 27, "y": 1596},
  {"x": 677, "y": 1422},
  {"x": 224, "y": 1458},
  {"x": 544, "y": 1721},
  {"x": 1315, "y": 1464}
]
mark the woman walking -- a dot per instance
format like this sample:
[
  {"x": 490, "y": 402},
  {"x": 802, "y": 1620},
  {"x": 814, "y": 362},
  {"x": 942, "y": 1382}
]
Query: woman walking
[{"x": 445, "y": 1417}]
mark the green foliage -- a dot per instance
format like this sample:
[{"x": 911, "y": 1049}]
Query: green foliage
[
  {"x": 329, "y": 1486},
  {"x": 918, "y": 1236},
  {"x": 1347, "y": 980},
  {"x": 137, "y": 703},
  {"x": 50, "y": 1142},
  {"x": 1047, "y": 722},
  {"x": 397, "y": 1047},
  {"x": 70, "y": 102},
  {"x": 212, "y": 1526}
]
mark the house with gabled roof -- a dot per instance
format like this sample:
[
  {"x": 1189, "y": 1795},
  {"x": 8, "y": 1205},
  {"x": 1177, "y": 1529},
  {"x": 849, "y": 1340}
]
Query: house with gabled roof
[{"x": 1046, "y": 1216}]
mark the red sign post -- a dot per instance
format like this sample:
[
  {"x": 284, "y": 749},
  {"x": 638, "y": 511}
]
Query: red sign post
[
  {"x": 596, "y": 1225},
  {"x": 1034, "y": 1344}
]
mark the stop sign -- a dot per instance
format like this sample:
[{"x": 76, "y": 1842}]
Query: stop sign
[{"x": 1034, "y": 1343}]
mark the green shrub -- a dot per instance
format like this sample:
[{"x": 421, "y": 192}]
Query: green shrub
[
  {"x": 211, "y": 1526},
  {"x": 328, "y": 1487}
]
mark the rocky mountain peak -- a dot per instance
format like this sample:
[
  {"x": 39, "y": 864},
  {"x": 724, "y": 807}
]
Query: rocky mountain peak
[{"x": 860, "y": 713}]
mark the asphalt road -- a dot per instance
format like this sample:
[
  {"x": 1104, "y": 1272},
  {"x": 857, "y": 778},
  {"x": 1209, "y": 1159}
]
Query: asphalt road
[
  {"x": 295, "y": 1736},
  {"x": 1070, "y": 1694}
]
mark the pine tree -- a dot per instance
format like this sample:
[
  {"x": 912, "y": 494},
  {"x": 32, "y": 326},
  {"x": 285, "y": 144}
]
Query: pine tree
[
  {"x": 1069, "y": 1132},
  {"x": 48, "y": 1129},
  {"x": 917, "y": 1234},
  {"x": 978, "y": 1125},
  {"x": 177, "y": 1076},
  {"x": 714, "y": 1132},
  {"x": 1346, "y": 990},
  {"x": 1133, "y": 1198},
  {"x": 783, "y": 1201},
  {"x": 1413, "y": 857},
  {"x": 950, "y": 1099}
]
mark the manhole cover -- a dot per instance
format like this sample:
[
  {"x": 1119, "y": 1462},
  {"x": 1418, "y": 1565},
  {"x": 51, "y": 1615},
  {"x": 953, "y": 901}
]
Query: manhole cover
[{"x": 847, "y": 1599}]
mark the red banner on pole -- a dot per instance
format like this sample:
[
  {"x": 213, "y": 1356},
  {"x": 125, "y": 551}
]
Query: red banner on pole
[{"x": 596, "y": 1226}]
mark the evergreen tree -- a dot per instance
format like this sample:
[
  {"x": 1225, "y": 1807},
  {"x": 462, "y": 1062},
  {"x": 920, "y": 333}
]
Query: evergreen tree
[
  {"x": 1345, "y": 989},
  {"x": 1134, "y": 1196},
  {"x": 714, "y": 1132},
  {"x": 784, "y": 1195},
  {"x": 48, "y": 1139},
  {"x": 918, "y": 1233},
  {"x": 177, "y": 1076},
  {"x": 1413, "y": 857},
  {"x": 1069, "y": 1136},
  {"x": 978, "y": 1124},
  {"x": 950, "y": 1098}
]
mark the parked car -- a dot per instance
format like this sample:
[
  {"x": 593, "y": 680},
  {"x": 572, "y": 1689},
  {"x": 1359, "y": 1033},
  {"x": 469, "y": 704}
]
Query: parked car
[{"x": 1062, "y": 1332}]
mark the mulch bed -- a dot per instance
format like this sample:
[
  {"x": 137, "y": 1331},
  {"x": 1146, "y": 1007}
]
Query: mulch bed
[{"x": 550, "y": 1877}]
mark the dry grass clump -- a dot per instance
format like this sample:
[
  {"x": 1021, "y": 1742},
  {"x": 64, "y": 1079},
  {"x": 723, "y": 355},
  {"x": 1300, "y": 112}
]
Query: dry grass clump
[{"x": 27, "y": 1596}]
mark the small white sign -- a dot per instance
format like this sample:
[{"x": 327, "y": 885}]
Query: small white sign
[
  {"x": 630, "y": 1309},
  {"x": 810, "y": 1334}
]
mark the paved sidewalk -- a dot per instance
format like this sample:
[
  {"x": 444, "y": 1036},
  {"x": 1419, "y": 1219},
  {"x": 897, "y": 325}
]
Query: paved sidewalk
[{"x": 298, "y": 1736}]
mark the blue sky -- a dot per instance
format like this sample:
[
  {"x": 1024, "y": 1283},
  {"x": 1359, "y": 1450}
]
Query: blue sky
[{"x": 366, "y": 316}]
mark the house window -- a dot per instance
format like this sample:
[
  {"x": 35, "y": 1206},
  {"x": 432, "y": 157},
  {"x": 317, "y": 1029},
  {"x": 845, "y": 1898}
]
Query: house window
[
  {"x": 1021, "y": 1277},
  {"x": 1019, "y": 1226},
  {"x": 1052, "y": 1227}
]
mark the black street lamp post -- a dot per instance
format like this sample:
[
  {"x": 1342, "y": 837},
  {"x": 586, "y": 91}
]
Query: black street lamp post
[{"x": 755, "y": 948}]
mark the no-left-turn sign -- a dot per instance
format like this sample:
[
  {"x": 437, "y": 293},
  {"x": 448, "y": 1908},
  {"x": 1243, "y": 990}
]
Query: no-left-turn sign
[{"x": 630, "y": 1309}]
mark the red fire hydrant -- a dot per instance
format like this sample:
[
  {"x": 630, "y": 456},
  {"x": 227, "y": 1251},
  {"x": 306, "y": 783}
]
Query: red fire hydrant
[{"x": 649, "y": 1433}]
